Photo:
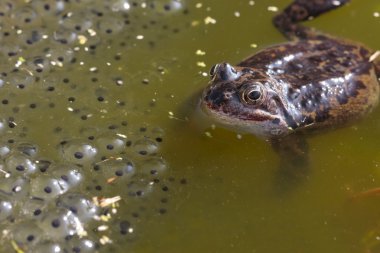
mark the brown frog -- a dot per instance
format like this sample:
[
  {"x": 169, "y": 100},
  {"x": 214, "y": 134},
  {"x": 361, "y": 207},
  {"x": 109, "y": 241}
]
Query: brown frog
[{"x": 283, "y": 92}]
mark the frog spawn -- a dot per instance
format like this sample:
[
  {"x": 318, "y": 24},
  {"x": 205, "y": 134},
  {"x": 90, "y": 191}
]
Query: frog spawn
[
  {"x": 53, "y": 194},
  {"x": 59, "y": 202}
]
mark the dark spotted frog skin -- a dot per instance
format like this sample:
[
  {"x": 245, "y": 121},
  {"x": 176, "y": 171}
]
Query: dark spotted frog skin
[{"x": 312, "y": 82}]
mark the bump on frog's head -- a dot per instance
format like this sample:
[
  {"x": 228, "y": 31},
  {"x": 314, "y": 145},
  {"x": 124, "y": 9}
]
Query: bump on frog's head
[{"x": 244, "y": 99}]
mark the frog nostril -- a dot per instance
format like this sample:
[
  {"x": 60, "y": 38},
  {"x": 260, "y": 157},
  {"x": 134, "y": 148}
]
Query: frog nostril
[
  {"x": 225, "y": 72},
  {"x": 223, "y": 75},
  {"x": 232, "y": 69},
  {"x": 229, "y": 68}
]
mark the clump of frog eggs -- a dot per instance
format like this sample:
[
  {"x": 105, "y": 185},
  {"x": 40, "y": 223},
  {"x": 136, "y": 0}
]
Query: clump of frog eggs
[
  {"x": 67, "y": 202},
  {"x": 52, "y": 204}
]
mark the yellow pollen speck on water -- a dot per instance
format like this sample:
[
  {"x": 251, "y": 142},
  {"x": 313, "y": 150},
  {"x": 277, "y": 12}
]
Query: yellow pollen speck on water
[
  {"x": 253, "y": 45},
  {"x": 105, "y": 240},
  {"x": 103, "y": 228},
  {"x": 273, "y": 8},
  {"x": 209, "y": 20},
  {"x": 201, "y": 64},
  {"x": 105, "y": 218},
  {"x": 82, "y": 39},
  {"x": 198, "y": 5},
  {"x": 376, "y": 14},
  {"x": 91, "y": 32},
  {"x": 195, "y": 23},
  {"x": 200, "y": 52},
  {"x": 208, "y": 134}
]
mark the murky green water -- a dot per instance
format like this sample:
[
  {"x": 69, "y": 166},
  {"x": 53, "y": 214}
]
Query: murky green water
[
  {"x": 212, "y": 193},
  {"x": 234, "y": 202}
]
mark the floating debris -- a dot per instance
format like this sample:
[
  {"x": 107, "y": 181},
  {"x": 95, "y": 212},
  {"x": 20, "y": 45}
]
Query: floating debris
[{"x": 104, "y": 202}]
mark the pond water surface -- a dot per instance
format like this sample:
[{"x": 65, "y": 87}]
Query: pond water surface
[{"x": 111, "y": 114}]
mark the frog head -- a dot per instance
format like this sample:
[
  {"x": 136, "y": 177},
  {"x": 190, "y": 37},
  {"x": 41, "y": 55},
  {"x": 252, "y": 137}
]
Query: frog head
[{"x": 246, "y": 100}]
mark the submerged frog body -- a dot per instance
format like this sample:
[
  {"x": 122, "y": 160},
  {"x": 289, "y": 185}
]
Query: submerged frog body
[{"x": 313, "y": 82}]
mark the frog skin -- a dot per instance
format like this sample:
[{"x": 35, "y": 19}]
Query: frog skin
[{"x": 284, "y": 92}]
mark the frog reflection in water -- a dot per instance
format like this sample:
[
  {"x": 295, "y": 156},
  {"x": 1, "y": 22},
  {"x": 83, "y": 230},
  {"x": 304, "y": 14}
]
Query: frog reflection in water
[{"x": 284, "y": 92}]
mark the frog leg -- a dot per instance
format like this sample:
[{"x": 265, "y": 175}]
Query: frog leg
[
  {"x": 294, "y": 161},
  {"x": 300, "y": 10}
]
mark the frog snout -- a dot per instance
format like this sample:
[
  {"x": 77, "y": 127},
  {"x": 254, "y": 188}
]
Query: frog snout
[{"x": 224, "y": 72}]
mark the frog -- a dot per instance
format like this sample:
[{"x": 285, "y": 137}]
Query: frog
[{"x": 286, "y": 92}]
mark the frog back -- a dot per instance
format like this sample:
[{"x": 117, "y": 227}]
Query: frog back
[{"x": 324, "y": 82}]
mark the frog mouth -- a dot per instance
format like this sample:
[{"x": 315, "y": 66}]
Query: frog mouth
[
  {"x": 249, "y": 124},
  {"x": 234, "y": 116}
]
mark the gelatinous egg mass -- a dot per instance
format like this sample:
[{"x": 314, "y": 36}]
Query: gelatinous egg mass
[{"x": 80, "y": 163}]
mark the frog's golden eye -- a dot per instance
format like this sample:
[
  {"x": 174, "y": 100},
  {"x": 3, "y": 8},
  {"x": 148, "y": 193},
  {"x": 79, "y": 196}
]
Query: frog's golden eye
[
  {"x": 253, "y": 94},
  {"x": 212, "y": 70}
]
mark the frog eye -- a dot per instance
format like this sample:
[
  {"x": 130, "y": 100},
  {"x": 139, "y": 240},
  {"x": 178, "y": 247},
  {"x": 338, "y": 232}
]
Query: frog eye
[
  {"x": 212, "y": 70},
  {"x": 253, "y": 94}
]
